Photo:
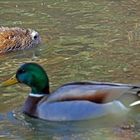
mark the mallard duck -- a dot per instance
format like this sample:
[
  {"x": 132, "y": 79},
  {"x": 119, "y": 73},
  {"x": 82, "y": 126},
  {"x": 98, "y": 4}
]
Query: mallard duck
[
  {"x": 71, "y": 101},
  {"x": 15, "y": 38}
]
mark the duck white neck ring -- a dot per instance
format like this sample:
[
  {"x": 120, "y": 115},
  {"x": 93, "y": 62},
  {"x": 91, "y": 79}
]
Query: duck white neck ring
[{"x": 37, "y": 95}]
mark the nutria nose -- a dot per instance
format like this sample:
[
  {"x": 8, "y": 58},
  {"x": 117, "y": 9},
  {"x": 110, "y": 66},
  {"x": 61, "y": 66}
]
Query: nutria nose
[{"x": 15, "y": 38}]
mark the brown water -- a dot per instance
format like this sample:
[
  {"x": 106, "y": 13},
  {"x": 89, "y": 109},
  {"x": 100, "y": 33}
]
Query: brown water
[{"x": 81, "y": 40}]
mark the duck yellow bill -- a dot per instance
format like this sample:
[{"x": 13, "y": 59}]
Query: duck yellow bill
[{"x": 13, "y": 80}]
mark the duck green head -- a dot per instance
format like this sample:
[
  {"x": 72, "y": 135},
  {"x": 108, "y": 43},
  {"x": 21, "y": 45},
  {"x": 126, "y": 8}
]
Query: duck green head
[{"x": 32, "y": 75}]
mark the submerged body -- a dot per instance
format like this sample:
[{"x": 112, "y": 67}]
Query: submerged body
[
  {"x": 15, "y": 38},
  {"x": 72, "y": 101}
]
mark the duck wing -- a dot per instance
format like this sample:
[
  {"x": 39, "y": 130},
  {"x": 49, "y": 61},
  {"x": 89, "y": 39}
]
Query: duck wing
[{"x": 97, "y": 92}]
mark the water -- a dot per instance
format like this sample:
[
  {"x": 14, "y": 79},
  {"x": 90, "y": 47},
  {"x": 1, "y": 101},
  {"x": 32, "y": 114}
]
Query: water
[{"x": 81, "y": 40}]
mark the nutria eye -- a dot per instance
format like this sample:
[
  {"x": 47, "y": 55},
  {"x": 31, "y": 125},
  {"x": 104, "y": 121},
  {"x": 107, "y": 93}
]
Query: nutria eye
[
  {"x": 35, "y": 37},
  {"x": 21, "y": 71}
]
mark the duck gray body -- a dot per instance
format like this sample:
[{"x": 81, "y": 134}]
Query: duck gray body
[{"x": 85, "y": 100}]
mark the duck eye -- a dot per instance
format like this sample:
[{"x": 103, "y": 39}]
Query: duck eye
[{"x": 21, "y": 71}]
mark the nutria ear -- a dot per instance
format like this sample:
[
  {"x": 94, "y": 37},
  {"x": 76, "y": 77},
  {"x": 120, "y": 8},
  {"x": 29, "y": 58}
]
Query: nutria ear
[{"x": 27, "y": 32}]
